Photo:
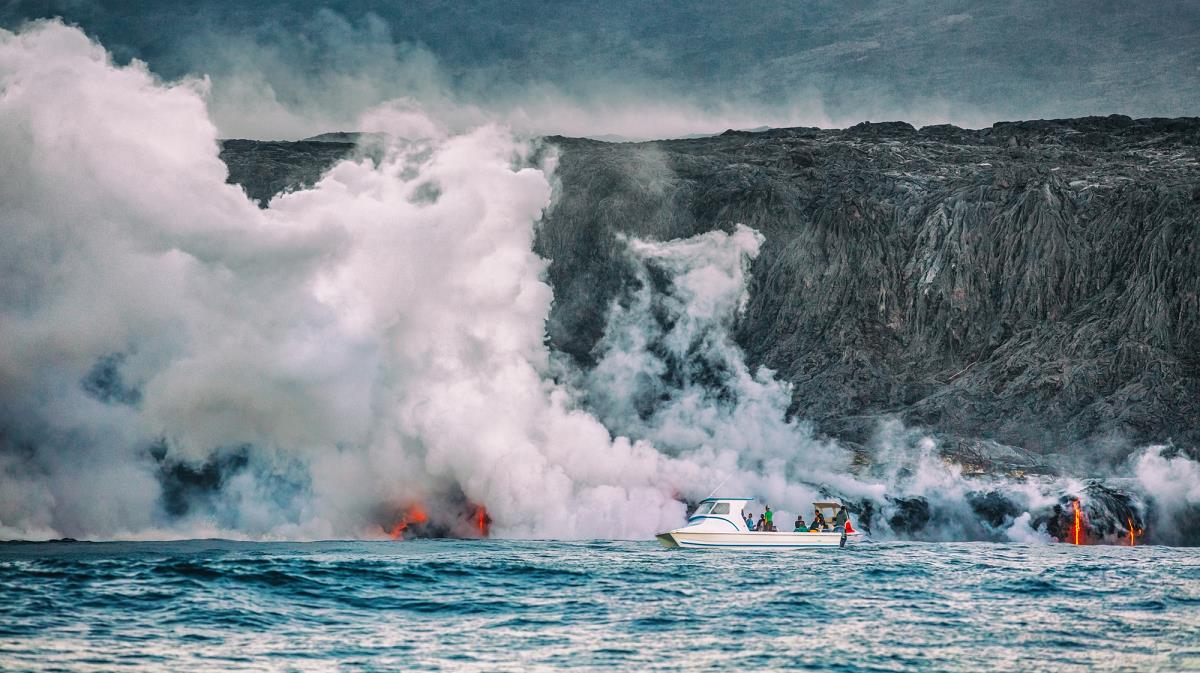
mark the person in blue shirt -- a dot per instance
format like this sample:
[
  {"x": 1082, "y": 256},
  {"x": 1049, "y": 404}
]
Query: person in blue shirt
[
  {"x": 800, "y": 525},
  {"x": 749, "y": 521}
]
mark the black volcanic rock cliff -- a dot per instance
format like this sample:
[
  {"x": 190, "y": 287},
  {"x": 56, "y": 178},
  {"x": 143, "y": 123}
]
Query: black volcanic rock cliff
[
  {"x": 1033, "y": 284},
  {"x": 266, "y": 168}
]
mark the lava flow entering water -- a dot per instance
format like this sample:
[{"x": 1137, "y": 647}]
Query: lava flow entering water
[
  {"x": 441, "y": 518},
  {"x": 1133, "y": 532},
  {"x": 482, "y": 521},
  {"x": 1078, "y": 527}
]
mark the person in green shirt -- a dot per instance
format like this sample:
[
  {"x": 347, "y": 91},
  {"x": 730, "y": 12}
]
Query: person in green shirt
[{"x": 768, "y": 515}]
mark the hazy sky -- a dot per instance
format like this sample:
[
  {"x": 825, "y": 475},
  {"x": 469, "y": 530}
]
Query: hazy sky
[{"x": 283, "y": 69}]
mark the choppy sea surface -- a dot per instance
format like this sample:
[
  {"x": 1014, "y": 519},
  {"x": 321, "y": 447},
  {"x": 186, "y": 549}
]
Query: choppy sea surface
[{"x": 520, "y": 606}]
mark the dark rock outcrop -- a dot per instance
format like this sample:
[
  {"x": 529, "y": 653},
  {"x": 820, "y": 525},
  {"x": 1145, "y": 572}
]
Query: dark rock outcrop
[
  {"x": 1027, "y": 289},
  {"x": 266, "y": 168}
]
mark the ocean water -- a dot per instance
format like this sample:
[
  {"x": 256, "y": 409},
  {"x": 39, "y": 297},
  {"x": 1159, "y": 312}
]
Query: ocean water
[{"x": 526, "y": 606}]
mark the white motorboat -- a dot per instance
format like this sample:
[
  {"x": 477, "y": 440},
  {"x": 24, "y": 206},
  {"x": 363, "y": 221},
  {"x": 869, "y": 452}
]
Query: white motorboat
[{"x": 718, "y": 523}]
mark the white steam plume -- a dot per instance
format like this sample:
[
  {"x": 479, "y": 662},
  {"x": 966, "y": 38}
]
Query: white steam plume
[
  {"x": 670, "y": 373},
  {"x": 370, "y": 339},
  {"x": 1172, "y": 483}
]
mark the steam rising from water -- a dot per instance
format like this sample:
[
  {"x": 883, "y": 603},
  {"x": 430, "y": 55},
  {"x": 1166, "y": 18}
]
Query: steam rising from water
[
  {"x": 670, "y": 373},
  {"x": 175, "y": 361},
  {"x": 376, "y": 338}
]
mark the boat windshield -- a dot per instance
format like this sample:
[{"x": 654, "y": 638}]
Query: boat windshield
[{"x": 716, "y": 508}]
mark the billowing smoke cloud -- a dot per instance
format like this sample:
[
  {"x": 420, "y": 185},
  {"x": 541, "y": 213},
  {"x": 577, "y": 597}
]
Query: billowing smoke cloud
[
  {"x": 370, "y": 340},
  {"x": 175, "y": 361},
  {"x": 669, "y": 372},
  {"x": 1172, "y": 483}
]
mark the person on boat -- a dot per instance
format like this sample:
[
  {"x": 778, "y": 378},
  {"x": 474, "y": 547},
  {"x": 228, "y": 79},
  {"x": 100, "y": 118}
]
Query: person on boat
[
  {"x": 839, "y": 519},
  {"x": 762, "y": 523},
  {"x": 749, "y": 521},
  {"x": 800, "y": 525},
  {"x": 770, "y": 517},
  {"x": 818, "y": 522}
]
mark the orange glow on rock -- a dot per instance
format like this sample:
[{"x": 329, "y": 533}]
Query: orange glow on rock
[
  {"x": 414, "y": 514},
  {"x": 482, "y": 520}
]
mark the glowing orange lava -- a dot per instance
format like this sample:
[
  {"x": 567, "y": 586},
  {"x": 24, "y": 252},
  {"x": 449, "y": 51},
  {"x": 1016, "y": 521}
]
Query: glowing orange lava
[
  {"x": 1132, "y": 531},
  {"x": 1078, "y": 521},
  {"x": 414, "y": 514},
  {"x": 482, "y": 520}
]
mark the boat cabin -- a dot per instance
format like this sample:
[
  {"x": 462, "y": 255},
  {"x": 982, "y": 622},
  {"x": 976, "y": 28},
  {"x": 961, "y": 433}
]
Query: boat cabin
[
  {"x": 726, "y": 514},
  {"x": 714, "y": 512},
  {"x": 721, "y": 523}
]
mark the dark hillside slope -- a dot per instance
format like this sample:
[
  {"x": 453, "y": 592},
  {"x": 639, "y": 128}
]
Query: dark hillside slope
[{"x": 1035, "y": 283}]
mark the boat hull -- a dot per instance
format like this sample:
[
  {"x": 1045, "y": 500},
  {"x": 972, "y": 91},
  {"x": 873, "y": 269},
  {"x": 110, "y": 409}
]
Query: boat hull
[{"x": 759, "y": 541}]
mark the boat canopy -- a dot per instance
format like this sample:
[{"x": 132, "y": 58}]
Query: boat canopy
[{"x": 828, "y": 509}]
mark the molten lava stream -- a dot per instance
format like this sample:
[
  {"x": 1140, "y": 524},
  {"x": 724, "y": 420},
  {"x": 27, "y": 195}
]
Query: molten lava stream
[
  {"x": 482, "y": 520},
  {"x": 1078, "y": 528}
]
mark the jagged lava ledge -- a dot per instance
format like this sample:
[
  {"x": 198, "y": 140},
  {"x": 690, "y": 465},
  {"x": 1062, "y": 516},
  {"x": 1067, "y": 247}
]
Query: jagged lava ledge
[{"x": 1029, "y": 293}]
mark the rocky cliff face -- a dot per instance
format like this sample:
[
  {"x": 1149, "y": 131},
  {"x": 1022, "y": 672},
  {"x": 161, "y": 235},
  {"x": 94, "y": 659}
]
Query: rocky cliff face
[
  {"x": 1029, "y": 291},
  {"x": 266, "y": 168}
]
